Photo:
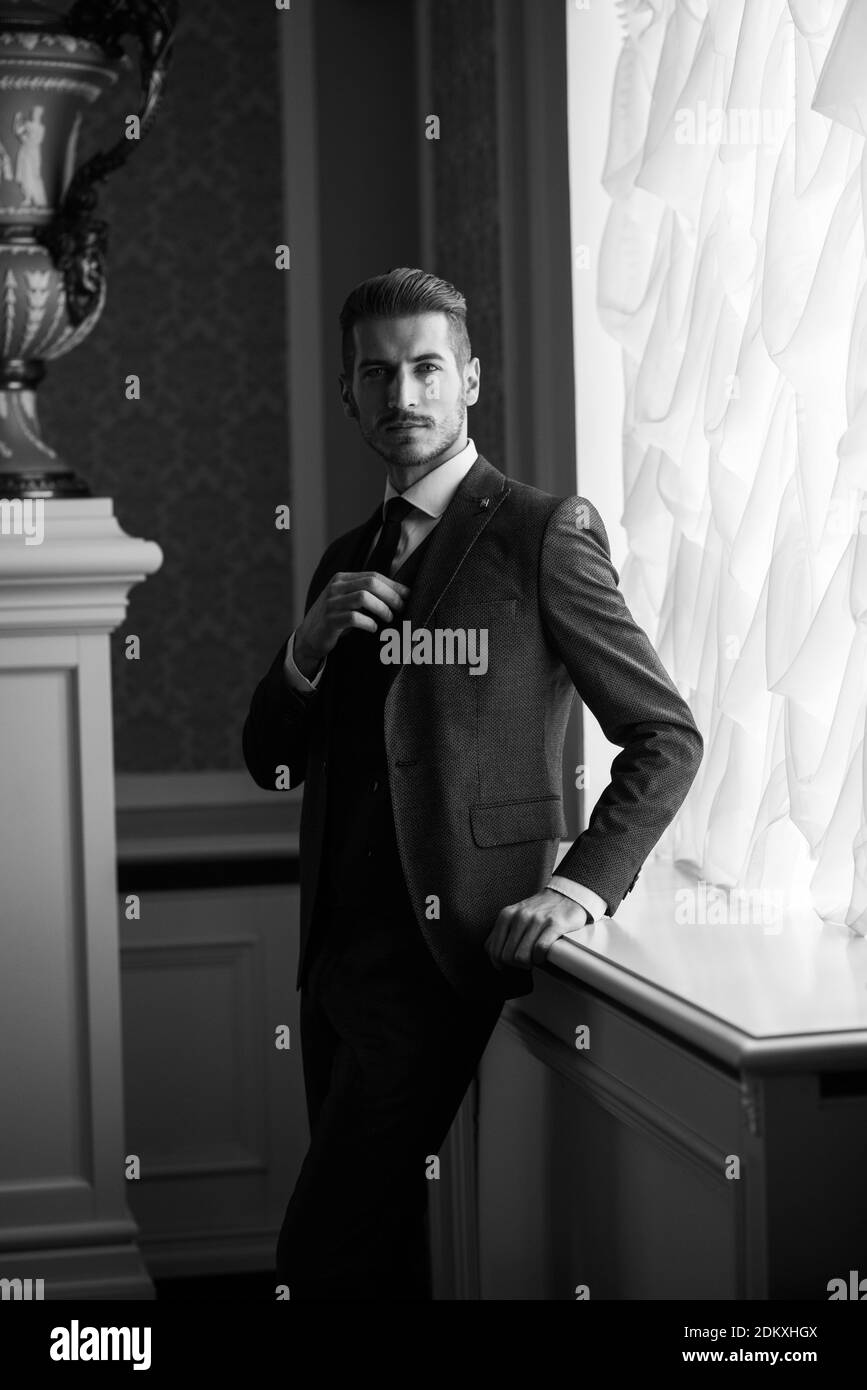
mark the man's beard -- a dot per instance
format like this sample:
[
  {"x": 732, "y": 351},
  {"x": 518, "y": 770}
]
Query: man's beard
[{"x": 404, "y": 450}]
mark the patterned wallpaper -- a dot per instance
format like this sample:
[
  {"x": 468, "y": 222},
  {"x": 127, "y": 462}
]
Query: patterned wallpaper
[
  {"x": 195, "y": 307},
  {"x": 467, "y": 240}
]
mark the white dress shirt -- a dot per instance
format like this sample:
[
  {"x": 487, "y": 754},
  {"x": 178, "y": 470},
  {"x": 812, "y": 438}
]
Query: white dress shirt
[{"x": 430, "y": 496}]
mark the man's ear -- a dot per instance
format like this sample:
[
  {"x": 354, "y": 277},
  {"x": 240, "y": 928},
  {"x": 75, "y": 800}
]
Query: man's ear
[
  {"x": 472, "y": 375},
  {"x": 346, "y": 396}
]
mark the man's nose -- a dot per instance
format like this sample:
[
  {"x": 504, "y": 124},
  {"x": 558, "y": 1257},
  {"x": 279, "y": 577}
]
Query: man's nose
[{"x": 403, "y": 392}]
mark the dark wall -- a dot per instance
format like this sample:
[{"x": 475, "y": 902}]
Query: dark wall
[
  {"x": 370, "y": 140},
  {"x": 372, "y": 147},
  {"x": 196, "y": 308},
  {"x": 463, "y": 82}
]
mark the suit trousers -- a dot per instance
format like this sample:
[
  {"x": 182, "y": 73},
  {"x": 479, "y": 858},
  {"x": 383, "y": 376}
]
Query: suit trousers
[{"x": 389, "y": 1050}]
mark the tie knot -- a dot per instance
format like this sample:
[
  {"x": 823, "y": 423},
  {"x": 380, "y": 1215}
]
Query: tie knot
[{"x": 396, "y": 508}]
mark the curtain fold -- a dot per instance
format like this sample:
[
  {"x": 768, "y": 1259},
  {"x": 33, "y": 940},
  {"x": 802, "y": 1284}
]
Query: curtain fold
[{"x": 733, "y": 276}]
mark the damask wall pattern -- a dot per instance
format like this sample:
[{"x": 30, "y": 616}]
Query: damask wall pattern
[
  {"x": 466, "y": 194},
  {"x": 195, "y": 307}
]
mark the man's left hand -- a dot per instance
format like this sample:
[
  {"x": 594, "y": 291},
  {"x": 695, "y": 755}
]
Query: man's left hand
[{"x": 525, "y": 931}]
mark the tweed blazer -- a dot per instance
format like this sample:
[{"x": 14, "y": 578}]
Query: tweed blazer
[{"x": 475, "y": 760}]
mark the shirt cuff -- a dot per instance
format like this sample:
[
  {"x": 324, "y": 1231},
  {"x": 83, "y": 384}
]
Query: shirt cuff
[
  {"x": 591, "y": 902},
  {"x": 294, "y": 676}
]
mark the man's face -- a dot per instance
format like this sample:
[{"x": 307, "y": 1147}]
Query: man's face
[{"x": 407, "y": 392}]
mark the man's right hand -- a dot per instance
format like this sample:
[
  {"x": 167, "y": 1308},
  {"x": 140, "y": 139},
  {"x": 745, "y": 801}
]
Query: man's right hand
[{"x": 350, "y": 599}]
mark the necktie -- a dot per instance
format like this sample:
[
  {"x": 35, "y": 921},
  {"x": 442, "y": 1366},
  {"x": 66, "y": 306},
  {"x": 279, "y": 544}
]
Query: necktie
[{"x": 383, "y": 552}]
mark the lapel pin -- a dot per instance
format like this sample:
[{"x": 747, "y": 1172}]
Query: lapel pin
[{"x": 484, "y": 501}]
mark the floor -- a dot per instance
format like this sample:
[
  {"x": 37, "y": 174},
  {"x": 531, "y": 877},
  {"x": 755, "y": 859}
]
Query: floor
[{"x": 234, "y": 1288}]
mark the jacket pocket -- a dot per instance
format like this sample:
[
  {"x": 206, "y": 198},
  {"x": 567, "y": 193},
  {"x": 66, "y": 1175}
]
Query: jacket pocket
[{"x": 517, "y": 822}]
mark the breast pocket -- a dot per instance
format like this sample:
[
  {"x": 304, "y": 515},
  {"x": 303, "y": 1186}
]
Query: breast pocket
[{"x": 467, "y": 635}]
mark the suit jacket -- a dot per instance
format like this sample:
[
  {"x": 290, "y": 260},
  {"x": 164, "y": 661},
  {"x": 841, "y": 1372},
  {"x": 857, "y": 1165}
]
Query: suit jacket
[{"x": 475, "y": 761}]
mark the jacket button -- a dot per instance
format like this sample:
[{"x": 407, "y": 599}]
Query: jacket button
[{"x": 374, "y": 786}]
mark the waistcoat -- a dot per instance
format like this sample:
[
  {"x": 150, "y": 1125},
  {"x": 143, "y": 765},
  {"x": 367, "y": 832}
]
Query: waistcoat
[{"x": 360, "y": 866}]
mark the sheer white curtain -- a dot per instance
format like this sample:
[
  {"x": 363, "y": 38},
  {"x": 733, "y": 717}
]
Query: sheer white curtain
[{"x": 733, "y": 276}]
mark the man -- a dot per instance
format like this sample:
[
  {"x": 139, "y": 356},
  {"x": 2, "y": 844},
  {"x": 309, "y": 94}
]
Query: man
[{"x": 432, "y": 807}]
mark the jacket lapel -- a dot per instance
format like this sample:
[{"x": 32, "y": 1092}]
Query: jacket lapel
[
  {"x": 478, "y": 496},
  {"x": 476, "y": 500}
]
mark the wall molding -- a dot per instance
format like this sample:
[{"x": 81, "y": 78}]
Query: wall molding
[
  {"x": 424, "y": 89},
  {"x": 168, "y": 818},
  {"x": 536, "y": 275},
  {"x": 303, "y": 284}
]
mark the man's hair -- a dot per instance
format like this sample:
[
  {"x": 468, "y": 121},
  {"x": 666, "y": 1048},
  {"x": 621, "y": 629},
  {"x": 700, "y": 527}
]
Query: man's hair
[{"x": 403, "y": 292}]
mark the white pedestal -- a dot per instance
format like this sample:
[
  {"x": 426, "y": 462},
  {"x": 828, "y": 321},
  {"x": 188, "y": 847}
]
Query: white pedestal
[{"x": 63, "y": 1209}]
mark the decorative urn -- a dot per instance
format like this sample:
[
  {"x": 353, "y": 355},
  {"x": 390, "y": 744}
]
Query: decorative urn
[{"x": 52, "y": 246}]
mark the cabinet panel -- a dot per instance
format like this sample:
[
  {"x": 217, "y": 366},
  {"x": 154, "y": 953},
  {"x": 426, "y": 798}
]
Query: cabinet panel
[{"x": 605, "y": 1166}]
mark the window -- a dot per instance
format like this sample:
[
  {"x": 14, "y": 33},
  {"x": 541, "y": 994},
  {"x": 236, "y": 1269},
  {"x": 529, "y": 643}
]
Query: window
[{"x": 730, "y": 274}]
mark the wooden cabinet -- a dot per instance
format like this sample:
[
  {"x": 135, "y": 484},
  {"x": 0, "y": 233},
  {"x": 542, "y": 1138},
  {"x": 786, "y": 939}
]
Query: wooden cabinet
[{"x": 704, "y": 1138}]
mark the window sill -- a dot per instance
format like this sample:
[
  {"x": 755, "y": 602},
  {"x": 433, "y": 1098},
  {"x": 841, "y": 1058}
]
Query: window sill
[{"x": 776, "y": 997}]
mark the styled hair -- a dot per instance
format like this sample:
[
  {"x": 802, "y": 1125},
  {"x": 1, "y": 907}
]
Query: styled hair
[{"x": 403, "y": 292}]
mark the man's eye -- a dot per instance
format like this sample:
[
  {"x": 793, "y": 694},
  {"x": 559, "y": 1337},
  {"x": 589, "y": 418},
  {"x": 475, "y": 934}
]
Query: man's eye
[
  {"x": 371, "y": 371},
  {"x": 429, "y": 367}
]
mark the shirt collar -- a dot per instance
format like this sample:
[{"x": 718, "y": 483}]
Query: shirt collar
[{"x": 433, "y": 493}]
